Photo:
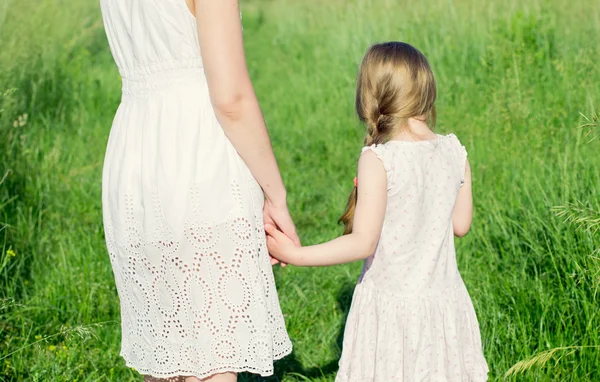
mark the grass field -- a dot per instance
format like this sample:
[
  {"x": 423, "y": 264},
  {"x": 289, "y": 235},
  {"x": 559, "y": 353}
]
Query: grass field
[{"x": 513, "y": 78}]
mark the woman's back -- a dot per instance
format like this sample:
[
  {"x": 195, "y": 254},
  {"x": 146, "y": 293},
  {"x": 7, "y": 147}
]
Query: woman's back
[
  {"x": 415, "y": 255},
  {"x": 148, "y": 36}
]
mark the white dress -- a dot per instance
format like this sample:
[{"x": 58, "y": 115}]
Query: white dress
[
  {"x": 411, "y": 317},
  {"x": 182, "y": 213}
]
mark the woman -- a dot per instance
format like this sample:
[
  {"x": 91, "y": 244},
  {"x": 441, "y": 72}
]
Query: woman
[{"x": 187, "y": 163}]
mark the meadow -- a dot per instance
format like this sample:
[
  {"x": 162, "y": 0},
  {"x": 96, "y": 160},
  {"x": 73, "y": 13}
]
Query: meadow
[{"x": 517, "y": 80}]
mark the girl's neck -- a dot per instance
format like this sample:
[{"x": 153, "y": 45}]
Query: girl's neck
[{"x": 415, "y": 130}]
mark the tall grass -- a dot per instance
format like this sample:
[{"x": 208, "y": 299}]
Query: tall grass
[{"x": 513, "y": 77}]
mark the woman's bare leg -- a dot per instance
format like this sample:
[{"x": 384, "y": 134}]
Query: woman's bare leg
[{"x": 223, "y": 377}]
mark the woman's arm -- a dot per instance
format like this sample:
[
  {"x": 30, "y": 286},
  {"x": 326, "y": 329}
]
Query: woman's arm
[
  {"x": 368, "y": 221},
  {"x": 462, "y": 215},
  {"x": 235, "y": 103}
]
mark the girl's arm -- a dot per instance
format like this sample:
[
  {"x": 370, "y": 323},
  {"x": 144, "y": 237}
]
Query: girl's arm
[
  {"x": 368, "y": 221},
  {"x": 462, "y": 215},
  {"x": 235, "y": 103}
]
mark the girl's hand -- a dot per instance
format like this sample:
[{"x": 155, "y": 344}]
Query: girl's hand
[
  {"x": 279, "y": 216},
  {"x": 280, "y": 245}
]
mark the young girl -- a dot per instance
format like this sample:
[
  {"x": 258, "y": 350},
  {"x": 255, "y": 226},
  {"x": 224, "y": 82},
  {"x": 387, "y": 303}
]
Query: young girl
[{"x": 411, "y": 317}]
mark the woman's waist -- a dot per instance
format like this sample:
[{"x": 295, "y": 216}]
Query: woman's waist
[{"x": 146, "y": 80}]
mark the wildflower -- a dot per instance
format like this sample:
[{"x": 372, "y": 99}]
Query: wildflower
[
  {"x": 38, "y": 337},
  {"x": 52, "y": 348},
  {"x": 21, "y": 120},
  {"x": 64, "y": 347},
  {"x": 11, "y": 253}
]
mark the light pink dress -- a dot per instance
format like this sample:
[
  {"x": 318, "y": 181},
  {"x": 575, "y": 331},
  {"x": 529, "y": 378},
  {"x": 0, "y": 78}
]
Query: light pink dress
[{"x": 411, "y": 317}]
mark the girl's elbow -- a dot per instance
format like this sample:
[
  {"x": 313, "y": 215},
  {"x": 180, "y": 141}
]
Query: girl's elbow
[
  {"x": 461, "y": 231},
  {"x": 461, "y": 224},
  {"x": 369, "y": 247}
]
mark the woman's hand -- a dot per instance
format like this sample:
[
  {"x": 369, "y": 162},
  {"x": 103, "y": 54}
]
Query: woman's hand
[
  {"x": 278, "y": 216},
  {"x": 281, "y": 247}
]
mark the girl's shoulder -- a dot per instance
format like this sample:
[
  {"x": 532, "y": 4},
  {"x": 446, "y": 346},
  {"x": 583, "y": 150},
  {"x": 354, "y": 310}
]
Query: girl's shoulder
[
  {"x": 456, "y": 153},
  {"x": 386, "y": 151},
  {"x": 452, "y": 138},
  {"x": 457, "y": 147},
  {"x": 395, "y": 155},
  {"x": 387, "y": 156},
  {"x": 382, "y": 152}
]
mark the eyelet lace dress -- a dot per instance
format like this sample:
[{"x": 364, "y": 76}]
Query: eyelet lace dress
[
  {"x": 182, "y": 213},
  {"x": 411, "y": 317}
]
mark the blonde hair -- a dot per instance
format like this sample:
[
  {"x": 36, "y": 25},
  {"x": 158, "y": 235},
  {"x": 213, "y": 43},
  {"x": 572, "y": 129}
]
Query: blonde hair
[{"x": 395, "y": 83}]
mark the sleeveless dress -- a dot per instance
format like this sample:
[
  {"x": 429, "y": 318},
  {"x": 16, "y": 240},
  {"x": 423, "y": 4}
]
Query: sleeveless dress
[
  {"x": 182, "y": 213},
  {"x": 411, "y": 317}
]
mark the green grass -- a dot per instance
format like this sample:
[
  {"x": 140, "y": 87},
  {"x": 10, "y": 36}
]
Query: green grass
[{"x": 513, "y": 78}]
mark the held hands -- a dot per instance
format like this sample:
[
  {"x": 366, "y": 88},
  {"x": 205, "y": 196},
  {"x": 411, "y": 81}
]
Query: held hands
[
  {"x": 279, "y": 217},
  {"x": 281, "y": 247}
]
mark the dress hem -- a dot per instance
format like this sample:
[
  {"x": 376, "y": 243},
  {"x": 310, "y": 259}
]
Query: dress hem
[
  {"x": 202, "y": 375},
  {"x": 472, "y": 376}
]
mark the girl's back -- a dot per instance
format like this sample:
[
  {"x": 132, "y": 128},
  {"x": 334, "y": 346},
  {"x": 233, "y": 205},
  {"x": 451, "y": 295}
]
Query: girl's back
[{"x": 415, "y": 256}]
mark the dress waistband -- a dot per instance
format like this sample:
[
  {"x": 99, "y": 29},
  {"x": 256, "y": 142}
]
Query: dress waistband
[
  {"x": 422, "y": 294},
  {"x": 147, "y": 79}
]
